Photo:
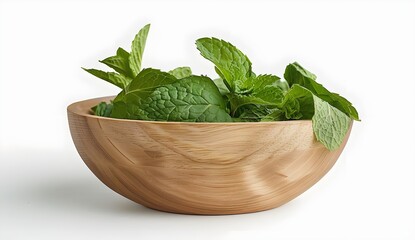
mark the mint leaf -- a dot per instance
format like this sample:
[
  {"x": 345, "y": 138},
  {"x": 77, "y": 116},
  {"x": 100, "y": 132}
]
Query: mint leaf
[
  {"x": 283, "y": 85},
  {"x": 222, "y": 82},
  {"x": 192, "y": 99},
  {"x": 127, "y": 65},
  {"x": 120, "y": 63},
  {"x": 219, "y": 73},
  {"x": 255, "y": 84},
  {"x": 181, "y": 72},
  {"x": 231, "y": 64},
  {"x": 121, "y": 111},
  {"x": 296, "y": 74},
  {"x": 137, "y": 49},
  {"x": 330, "y": 125},
  {"x": 144, "y": 84},
  {"x": 298, "y": 103},
  {"x": 111, "y": 77},
  {"x": 146, "y": 81},
  {"x": 276, "y": 115},
  {"x": 103, "y": 109},
  {"x": 141, "y": 86},
  {"x": 223, "y": 89},
  {"x": 253, "y": 113},
  {"x": 262, "y": 90}
]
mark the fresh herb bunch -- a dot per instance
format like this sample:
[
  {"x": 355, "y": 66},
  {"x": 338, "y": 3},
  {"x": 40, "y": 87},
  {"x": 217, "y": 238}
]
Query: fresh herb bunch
[{"x": 238, "y": 95}]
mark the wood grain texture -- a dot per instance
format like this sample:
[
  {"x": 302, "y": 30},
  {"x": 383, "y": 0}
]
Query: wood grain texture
[{"x": 201, "y": 168}]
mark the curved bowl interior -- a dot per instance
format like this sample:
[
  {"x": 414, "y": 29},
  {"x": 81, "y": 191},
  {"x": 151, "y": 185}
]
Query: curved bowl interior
[{"x": 201, "y": 168}]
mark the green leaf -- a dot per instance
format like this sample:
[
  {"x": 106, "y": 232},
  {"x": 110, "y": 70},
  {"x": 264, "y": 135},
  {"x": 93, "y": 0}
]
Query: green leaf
[
  {"x": 111, "y": 77},
  {"x": 283, "y": 85},
  {"x": 146, "y": 81},
  {"x": 330, "y": 125},
  {"x": 231, "y": 64},
  {"x": 103, "y": 109},
  {"x": 120, "y": 63},
  {"x": 192, "y": 99},
  {"x": 137, "y": 49},
  {"x": 219, "y": 73},
  {"x": 123, "y": 53},
  {"x": 262, "y": 90},
  {"x": 296, "y": 74},
  {"x": 143, "y": 85},
  {"x": 120, "y": 110},
  {"x": 298, "y": 103},
  {"x": 276, "y": 115},
  {"x": 222, "y": 79},
  {"x": 253, "y": 112},
  {"x": 223, "y": 89},
  {"x": 255, "y": 84},
  {"x": 181, "y": 72},
  {"x": 140, "y": 88}
]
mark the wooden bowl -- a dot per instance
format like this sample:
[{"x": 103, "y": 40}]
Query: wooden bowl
[{"x": 201, "y": 168}]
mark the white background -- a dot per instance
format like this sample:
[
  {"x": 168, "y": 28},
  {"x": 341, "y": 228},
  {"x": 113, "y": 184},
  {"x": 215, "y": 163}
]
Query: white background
[{"x": 363, "y": 49}]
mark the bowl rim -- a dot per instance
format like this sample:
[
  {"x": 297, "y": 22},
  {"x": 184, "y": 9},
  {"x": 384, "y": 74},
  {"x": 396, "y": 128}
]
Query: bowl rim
[{"x": 77, "y": 109}]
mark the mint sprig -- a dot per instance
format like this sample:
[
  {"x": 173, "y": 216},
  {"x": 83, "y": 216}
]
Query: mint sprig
[
  {"x": 137, "y": 50},
  {"x": 238, "y": 95}
]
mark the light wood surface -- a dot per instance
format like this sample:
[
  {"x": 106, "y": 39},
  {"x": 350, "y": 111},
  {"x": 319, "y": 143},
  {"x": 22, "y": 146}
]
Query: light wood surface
[{"x": 201, "y": 168}]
